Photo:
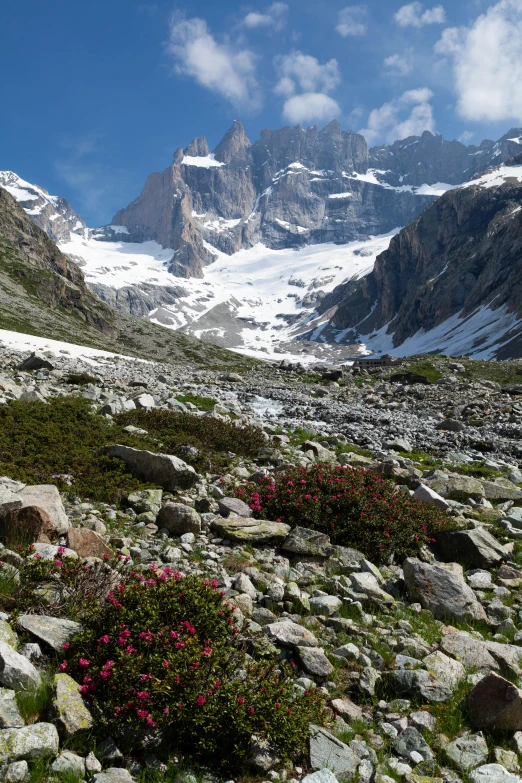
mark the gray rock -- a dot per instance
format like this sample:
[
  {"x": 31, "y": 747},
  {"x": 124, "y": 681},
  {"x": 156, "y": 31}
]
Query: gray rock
[
  {"x": 349, "y": 651},
  {"x": 16, "y": 772},
  {"x": 476, "y": 548},
  {"x": 146, "y": 500},
  {"x": 314, "y": 661},
  {"x": 325, "y": 605},
  {"x": 441, "y": 591},
  {"x": 168, "y": 471},
  {"x": 493, "y": 773},
  {"x": 30, "y": 742},
  {"x": 303, "y": 541},
  {"x": 234, "y": 506},
  {"x": 328, "y": 752},
  {"x": 289, "y": 634},
  {"x": 16, "y": 671},
  {"x": 9, "y": 501},
  {"x": 367, "y": 583},
  {"x": 483, "y": 655},
  {"x": 113, "y": 775},
  {"x": 145, "y": 401},
  {"x": 347, "y": 709},
  {"x": 69, "y": 764},
  {"x": 92, "y": 764},
  {"x": 411, "y": 740},
  {"x": 422, "y": 684},
  {"x": 47, "y": 497},
  {"x": 467, "y": 752},
  {"x": 447, "y": 670},
  {"x": 53, "y": 631},
  {"x": 8, "y": 635},
  {"x": 321, "y": 776},
  {"x": 72, "y": 714},
  {"x": 398, "y": 444},
  {"x": 368, "y": 680},
  {"x": 10, "y": 717},
  {"x": 501, "y": 489},
  {"x": 179, "y": 519},
  {"x": 109, "y": 753},
  {"x": 255, "y": 531}
]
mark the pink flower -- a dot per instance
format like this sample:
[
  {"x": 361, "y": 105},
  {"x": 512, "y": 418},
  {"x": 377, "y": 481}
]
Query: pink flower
[
  {"x": 200, "y": 701},
  {"x": 84, "y": 662},
  {"x": 37, "y": 555},
  {"x": 58, "y": 563},
  {"x": 84, "y": 689},
  {"x": 104, "y": 639},
  {"x": 240, "y": 700},
  {"x": 143, "y": 695},
  {"x": 166, "y": 711},
  {"x": 63, "y": 666},
  {"x": 150, "y": 722},
  {"x": 66, "y": 645}
]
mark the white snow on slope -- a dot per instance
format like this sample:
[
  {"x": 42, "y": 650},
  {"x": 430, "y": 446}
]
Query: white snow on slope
[
  {"x": 202, "y": 161},
  {"x": 23, "y": 342},
  {"x": 373, "y": 178},
  {"x": 496, "y": 177}
]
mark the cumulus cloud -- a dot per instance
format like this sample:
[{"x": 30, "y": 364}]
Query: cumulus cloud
[
  {"x": 310, "y": 107},
  {"x": 412, "y": 15},
  {"x": 220, "y": 67},
  {"x": 487, "y": 63},
  {"x": 398, "y": 64},
  {"x": 353, "y": 20},
  {"x": 408, "y": 115},
  {"x": 274, "y": 16},
  {"x": 304, "y": 72}
]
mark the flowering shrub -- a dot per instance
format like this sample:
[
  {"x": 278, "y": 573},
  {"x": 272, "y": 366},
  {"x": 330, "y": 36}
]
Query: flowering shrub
[
  {"x": 355, "y": 508},
  {"x": 162, "y": 653}
]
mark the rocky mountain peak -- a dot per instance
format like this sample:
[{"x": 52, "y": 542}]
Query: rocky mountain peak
[
  {"x": 234, "y": 147},
  {"x": 197, "y": 147}
]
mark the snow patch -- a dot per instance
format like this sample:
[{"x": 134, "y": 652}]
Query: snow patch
[{"x": 202, "y": 161}]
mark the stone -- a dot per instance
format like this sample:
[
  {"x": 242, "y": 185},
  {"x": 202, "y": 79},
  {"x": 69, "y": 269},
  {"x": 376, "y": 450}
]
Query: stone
[
  {"x": 34, "y": 362},
  {"x": 9, "y": 500},
  {"x": 92, "y": 764},
  {"x": 10, "y": 717},
  {"x": 479, "y": 580},
  {"x": 501, "y": 489},
  {"x": 8, "y": 635},
  {"x": 54, "y": 631},
  {"x": 16, "y": 671},
  {"x": 321, "y": 776},
  {"x": 29, "y": 742},
  {"x": 508, "y": 759},
  {"x": 243, "y": 584},
  {"x": 429, "y": 495},
  {"x": 26, "y": 525},
  {"x": 467, "y": 752},
  {"x": 146, "y": 500},
  {"x": 289, "y": 634},
  {"x": 476, "y": 548},
  {"x": 50, "y": 551},
  {"x": 255, "y": 531},
  {"x": 411, "y": 740},
  {"x": 87, "y": 543},
  {"x": 441, "y": 591},
  {"x": 263, "y": 754},
  {"x": 328, "y": 752},
  {"x": 347, "y": 709},
  {"x": 179, "y": 519},
  {"x": 368, "y": 680},
  {"x": 423, "y": 720},
  {"x": 450, "y": 425},
  {"x": 349, "y": 651},
  {"x": 109, "y": 753},
  {"x": 69, "y": 764},
  {"x": 16, "y": 772},
  {"x": 314, "y": 661},
  {"x": 168, "y": 471},
  {"x": 447, "y": 670},
  {"x": 47, "y": 497},
  {"x": 234, "y": 506},
  {"x": 484, "y": 655},
  {"x": 321, "y": 454},
  {"x": 325, "y": 605},
  {"x": 303, "y": 541},
  {"x": 496, "y": 704},
  {"x": 398, "y": 444},
  {"x": 72, "y": 714},
  {"x": 422, "y": 684},
  {"x": 455, "y": 486},
  {"x": 113, "y": 775},
  {"x": 367, "y": 583},
  {"x": 493, "y": 773}
]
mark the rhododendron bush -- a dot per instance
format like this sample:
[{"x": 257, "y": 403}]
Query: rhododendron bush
[
  {"x": 164, "y": 653},
  {"x": 356, "y": 508}
]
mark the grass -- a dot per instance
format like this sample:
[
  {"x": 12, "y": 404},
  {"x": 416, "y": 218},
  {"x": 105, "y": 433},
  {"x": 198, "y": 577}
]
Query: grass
[
  {"x": 34, "y": 703},
  {"x": 41, "y": 440},
  {"x": 203, "y": 403}
]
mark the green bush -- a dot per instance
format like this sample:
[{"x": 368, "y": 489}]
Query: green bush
[
  {"x": 162, "y": 654},
  {"x": 355, "y": 508}
]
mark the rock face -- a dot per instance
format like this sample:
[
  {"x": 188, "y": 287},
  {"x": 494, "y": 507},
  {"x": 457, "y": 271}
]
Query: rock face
[{"x": 429, "y": 274}]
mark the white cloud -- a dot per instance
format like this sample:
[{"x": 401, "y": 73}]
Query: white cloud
[
  {"x": 301, "y": 71},
  {"x": 408, "y": 115},
  {"x": 221, "y": 67},
  {"x": 466, "y": 137},
  {"x": 412, "y": 15},
  {"x": 310, "y": 107},
  {"x": 487, "y": 63},
  {"x": 274, "y": 16},
  {"x": 353, "y": 20},
  {"x": 398, "y": 64}
]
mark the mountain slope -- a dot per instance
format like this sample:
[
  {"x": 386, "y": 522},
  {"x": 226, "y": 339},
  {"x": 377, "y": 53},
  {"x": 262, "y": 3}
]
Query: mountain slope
[
  {"x": 454, "y": 273},
  {"x": 42, "y": 292}
]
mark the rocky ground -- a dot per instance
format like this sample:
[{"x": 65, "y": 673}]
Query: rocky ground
[{"x": 419, "y": 661}]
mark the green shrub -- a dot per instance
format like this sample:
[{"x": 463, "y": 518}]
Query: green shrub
[
  {"x": 355, "y": 508},
  {"x": 162, "y": 654},
  {"x": 81, "y": 379},
  {"x": 203, "y": 403}
]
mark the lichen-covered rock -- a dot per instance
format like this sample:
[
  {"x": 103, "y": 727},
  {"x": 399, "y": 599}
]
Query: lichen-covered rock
[
  {"x": 168, "y": 471},
  {"x": 441, "y": 591},
  {"x": 54, "y": 631},
  {"x": 8, "y": 635},
  {"x": 30, "y": 742},
  {"x": 179, "y": 519},
  {"x": 245, "y": 530},
  {"x": 72, "y": 714},
  {"x": 16, "y": 671},
  {"x": 69, "y": 764}
]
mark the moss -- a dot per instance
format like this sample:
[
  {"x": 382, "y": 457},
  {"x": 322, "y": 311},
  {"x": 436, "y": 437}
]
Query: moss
[{"x": 203, "y": 403}]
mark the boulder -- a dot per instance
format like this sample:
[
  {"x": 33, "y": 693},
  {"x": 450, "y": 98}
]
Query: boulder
[
  {"x": 9, "y": 501},
  {"x": 69, "y": 765},
  {"x": 303, "y": 541},
  {"x": 493, "y": 773},
  {"x": 368, "y": 584},
  {"x": 29, "y": 742},
  {"x": 146, "y": 500},
  {"x": 476, "y": 548},
  {"x": 87, "y": 543},
  {"x": 321, "y": 776},
  {"x": 16, "y": 671},
  {"x": 34, "y": 362},
  {"x": 447, "y": 670},
  {"x": 47, "y": 497},
  {"x": 255, "y": 531},
  {"x": 229, "y": 506},
  {"x": 411, "y": 741},
  {"x": 467, "y": 752},
  {"x": 179, "y": 519},
  {"x": 430, "y": 496},
  {"x": 420, "y": 683},
  {"x": 501, "y": 489},
  {"x": 347, "y": 709},
  {"x": 10, "y": 717},
  {"x": 289, "y": 634},
  {"x": 441, "y": 591},
  {"x": 484, "y": 655},
  {"x": 54, "y": 631},
  {"x": 168, "y": 471},
  {"x": 325, "y": 605},
  {"x": 8, "y": 635},
  {"x": 328, "y": 752},
  {"x": 27, "y": 525},
  {"x": 320, "y": 453},
  {"x": 72, "y": 714},
  {"x": 496, "y": 704},
  {"x": 113, "y": 775},
  {"x": 455, "y": 487},
  {"x": 16, "y": 772},
  {"x": 314, "y": 661}
]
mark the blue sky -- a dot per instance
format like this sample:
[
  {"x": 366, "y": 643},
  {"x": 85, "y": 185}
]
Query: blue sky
[{"x": 100, "y": 94}]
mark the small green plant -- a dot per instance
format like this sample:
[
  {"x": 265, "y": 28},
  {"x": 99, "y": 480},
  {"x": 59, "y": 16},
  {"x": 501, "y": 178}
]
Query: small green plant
[
  {"x": 161, "y": 653},
  {"x": 34, "y": 703},
  {"x": 356, "y": 508},
  {"x": 203, "y": 403}
]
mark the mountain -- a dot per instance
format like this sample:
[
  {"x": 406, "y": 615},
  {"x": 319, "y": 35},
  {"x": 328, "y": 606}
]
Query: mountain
[
  {"x": 43, "y": 292},
  {"x": 451, "y": 281}
]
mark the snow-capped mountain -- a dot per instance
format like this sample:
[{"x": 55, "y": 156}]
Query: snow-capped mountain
[{"x": 258, "y": 247}]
